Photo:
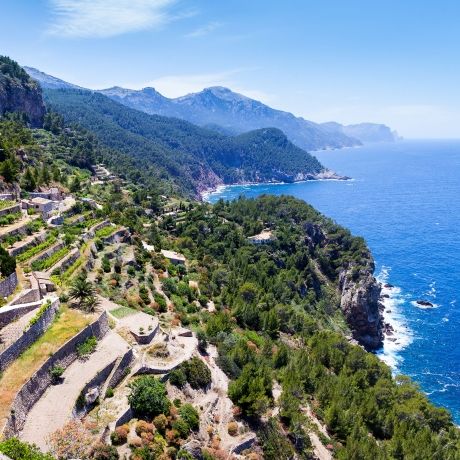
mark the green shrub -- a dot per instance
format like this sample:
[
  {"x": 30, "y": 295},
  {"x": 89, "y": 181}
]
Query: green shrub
[
  {"x": 87, "y": 347},
  {"x": 190, "y": 415},
  {"x": 17, "y": 450},
  {"x": 148, "y": 397},
  {"x": 56, "y": 373},
  {"x": 40, "y": 313},
  {"x": 198, "y": 374},
  {"x": 7, "y": 263}
]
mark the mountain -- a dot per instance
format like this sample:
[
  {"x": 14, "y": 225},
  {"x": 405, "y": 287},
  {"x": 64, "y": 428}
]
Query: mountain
[
  {"x": 220, "y": 108},
  {"x": 232, "y": 112},
  {"x": 194, "y": 158},
  {"x": 365, "y": 132},
  {"x": 48, "y": 81},
  {"x": 19, "y": 93}
]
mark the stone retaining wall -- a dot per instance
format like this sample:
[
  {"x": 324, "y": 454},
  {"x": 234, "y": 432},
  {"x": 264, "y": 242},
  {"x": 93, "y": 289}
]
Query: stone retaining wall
[
  {"x": 32, "y": 391},
  {"x": 8, "y": 285},
  {"x": 22, "y": 246},
  {"x": 66, "y": 262},
  {"x": 11, "y": 210},
  {"x": 97, "y": 382},
  {"x": 117, "y": 237},
  {"x": 47, "y": 252},
  {"x": 22, "y": 229},
  {"x": 121, "y": 370},
  {"x": 13, "y": 312},
  {"x": 29, "y": 336}
]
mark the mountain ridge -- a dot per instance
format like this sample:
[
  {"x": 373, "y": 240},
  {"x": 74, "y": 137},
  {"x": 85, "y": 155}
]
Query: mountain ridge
[{"x": 226, "y": 111}]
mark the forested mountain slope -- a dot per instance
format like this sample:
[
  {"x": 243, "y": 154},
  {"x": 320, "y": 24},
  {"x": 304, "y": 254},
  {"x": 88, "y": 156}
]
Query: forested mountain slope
[{"x": 192, "y": 157}]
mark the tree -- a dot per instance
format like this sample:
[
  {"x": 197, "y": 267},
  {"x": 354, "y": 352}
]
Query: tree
[
  {"x": 17, "y": 450},
  {"x": 251, "y": 391},
  {"x": 9, "y": 169},
  {"x": 7, "y": 263},
  {"x": 28, "y": 181},
  {"x": 148, "y": 397},
  {"x": 84, "y": 293}
]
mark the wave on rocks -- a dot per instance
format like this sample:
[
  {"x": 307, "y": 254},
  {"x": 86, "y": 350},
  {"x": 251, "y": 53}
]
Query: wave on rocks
[{"x": 399, "y": 336}]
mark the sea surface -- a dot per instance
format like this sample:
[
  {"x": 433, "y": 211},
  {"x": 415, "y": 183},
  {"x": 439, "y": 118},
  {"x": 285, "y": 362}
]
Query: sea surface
[{"x": 404, "y": 199}]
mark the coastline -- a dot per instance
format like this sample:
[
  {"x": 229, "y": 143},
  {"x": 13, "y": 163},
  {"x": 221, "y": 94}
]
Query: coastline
[
  {"x": 332, "y": 177},
  {"x": 397, "y": 334}
]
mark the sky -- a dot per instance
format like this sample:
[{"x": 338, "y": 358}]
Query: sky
[{"x": 392, "y": 62}]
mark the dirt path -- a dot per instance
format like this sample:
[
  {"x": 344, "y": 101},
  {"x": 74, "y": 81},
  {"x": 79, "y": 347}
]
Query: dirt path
[
  {"x": 56, "y": 405},
  {"x": 318, "y": 447}
]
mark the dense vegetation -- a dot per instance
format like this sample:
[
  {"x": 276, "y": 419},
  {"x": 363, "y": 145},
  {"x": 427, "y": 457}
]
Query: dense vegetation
[
  {"x": 182, "y": 152},
  {"x": 275, "y": 320}
]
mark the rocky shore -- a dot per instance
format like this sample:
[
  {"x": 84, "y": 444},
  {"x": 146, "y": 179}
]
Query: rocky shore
[{"x": 215, "y": 185}]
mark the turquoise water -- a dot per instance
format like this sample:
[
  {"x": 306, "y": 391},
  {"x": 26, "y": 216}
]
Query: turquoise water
[{"x": 405, "y": 200}]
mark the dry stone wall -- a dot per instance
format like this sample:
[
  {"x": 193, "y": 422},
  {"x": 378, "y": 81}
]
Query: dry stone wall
[
  {"x": 32, "y": 391},
  {"x": 8, "y": 285},
  {"x": 29, "y": 336}
]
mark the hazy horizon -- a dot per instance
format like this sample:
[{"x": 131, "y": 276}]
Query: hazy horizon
[{"x": 392, "y": 64}]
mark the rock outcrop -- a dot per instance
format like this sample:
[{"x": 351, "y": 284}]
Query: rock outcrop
[
  {"x": 19, "y": 93},
  {"x": 361, "y": 307}
]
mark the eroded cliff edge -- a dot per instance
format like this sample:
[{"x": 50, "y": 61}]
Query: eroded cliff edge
[{"x": 360, "y": 303}]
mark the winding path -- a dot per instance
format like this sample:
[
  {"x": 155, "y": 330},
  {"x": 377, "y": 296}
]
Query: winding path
[{"x": 55, "y": 407}]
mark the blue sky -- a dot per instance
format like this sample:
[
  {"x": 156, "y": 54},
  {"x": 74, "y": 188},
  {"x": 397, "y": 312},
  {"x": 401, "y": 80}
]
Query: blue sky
[{"x": 393, "y": 62}]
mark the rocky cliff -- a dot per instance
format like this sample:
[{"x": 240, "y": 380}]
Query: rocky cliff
[
  {"x": 360, "y": 304},
  {"x": 19, "y": 93}
]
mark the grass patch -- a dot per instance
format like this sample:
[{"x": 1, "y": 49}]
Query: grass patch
[
  {"x": 122, "y": 312},
  {"x": 106, "y": 231},
  {"x": 6, "y": 204},
  {"x": 64, "y": 327}
]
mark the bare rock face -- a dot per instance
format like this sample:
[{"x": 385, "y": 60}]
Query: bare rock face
[
  {"x": 360, "y": 305},
  {"x": 19, "y": 93}
]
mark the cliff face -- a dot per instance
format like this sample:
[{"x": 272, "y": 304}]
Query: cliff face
[
  {"x": 360, "y": 305},
  {"x": 19, "y": 93}
]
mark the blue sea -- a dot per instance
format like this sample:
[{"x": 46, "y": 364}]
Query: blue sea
[{"x": 404, "y": 199}]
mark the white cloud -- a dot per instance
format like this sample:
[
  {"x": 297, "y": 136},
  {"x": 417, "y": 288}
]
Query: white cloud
[
  {"x": 107, "y": 18},
  {"x": 180, "y": 85},
  {"x": 205, "y": 30}
]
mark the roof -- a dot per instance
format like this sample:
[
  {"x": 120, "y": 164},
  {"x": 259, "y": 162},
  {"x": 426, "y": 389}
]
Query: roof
[
  {"x": 172, "y": 255},
  {"x": 40, "y": 200}
]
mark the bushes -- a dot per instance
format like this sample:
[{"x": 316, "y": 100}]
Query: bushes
[
  {"x": 87, "y": 347},
  {"x": 120, "y": 435},
  {"x": 41, "y": 311},
  {"x": 190, "y": 415},
  {"x": 148, "y": 397},
  {"x": 56, "y": 373},
  {"x": 104, "y": 452},
  {"x": 17, "y": 450},
  {"x": 194, "y": 371}
]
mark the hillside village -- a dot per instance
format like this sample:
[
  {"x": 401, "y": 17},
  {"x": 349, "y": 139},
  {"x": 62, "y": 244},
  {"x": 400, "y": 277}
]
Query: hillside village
[{"x": 129, "y": 342}]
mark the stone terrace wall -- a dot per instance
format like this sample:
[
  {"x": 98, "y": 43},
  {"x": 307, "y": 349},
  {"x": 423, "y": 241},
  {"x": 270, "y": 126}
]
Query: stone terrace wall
[
  {"x": 32, "y": 391},
  {"x": 21, "y": 246},
  {"x": 11, "y": 210},
  {"x": 66, "y": 262},
  {"x": 48, "y": 252},
  {"x": 8, "y": 285},
  {"x": 12, "y": 312},
  {"x": 29, "y": 336}
]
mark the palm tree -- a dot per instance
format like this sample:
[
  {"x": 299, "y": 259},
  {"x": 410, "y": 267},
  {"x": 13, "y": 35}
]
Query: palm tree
[{"x": 84, "y": 293}]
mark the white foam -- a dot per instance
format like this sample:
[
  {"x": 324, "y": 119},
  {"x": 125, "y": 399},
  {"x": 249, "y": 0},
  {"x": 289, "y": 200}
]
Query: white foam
[
  {"x": 392, "y": 314},
  {"x": 424, "y": 307}
]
